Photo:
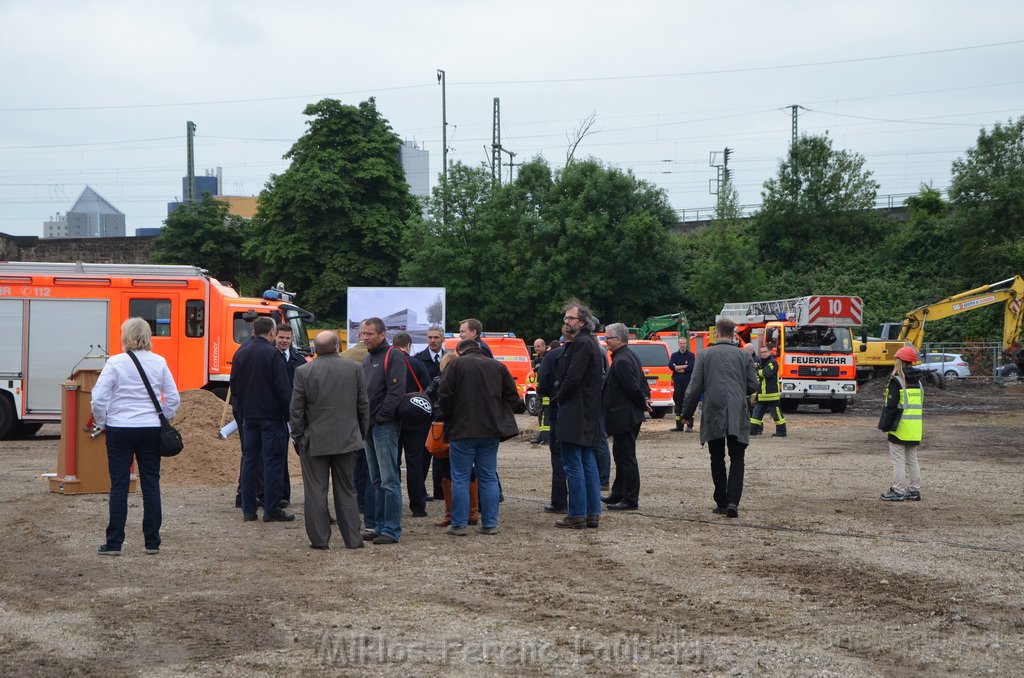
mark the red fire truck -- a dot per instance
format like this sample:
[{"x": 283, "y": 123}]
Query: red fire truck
[
  {"x": 812, "y": 338},
  {"x": 56, "y": 317}
]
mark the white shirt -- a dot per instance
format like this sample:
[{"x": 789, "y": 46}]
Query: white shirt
[{"x": 120, "y": 399}]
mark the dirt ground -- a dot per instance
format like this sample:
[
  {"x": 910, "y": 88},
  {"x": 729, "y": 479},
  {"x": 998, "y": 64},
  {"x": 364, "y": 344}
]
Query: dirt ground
[{"x": 817, "y": 576}]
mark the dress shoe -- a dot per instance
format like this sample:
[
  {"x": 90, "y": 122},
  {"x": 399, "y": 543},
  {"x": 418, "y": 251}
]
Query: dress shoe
[
  {"x": 249, "y": 516},
  {"x": 718, "y": 510},
  {"x": 357, "y": 546},
  {"x": 384, "y": 539},
  {"x": 368, "y": 534},
  {"x": 419, "y": 514},
  {"x": 732, "y": 511},
  {"x": 594, "y": 521},
  {"x": 611, "y": 499},
  {"x": 319, "y": 547},
  {"x": 551, "y": 508},
  {"x": 238, "y": 501},
  {"x": 578, "y": 523},
  {"x": 622, "y": 506},
  {"x": 279, "y": 517}
]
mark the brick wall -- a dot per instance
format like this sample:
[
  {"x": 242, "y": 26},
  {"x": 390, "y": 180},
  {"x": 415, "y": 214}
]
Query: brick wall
[{"x": 133, "y": 250}]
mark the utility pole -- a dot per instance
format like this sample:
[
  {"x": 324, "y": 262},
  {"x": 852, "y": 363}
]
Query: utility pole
[
  {"x": 496, "y": 143},
  {"x": 190, "y": 133},
  {"x": 444, "y": 148},
  {"x": 444, "y": 127},
  {"x": 795, "y": 112},
  {"x": 511, "y": 163}
]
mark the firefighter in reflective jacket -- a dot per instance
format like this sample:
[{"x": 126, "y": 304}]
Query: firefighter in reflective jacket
[
  {"x": 768, "y": 396},
  {"x": 902, "y": 422}
]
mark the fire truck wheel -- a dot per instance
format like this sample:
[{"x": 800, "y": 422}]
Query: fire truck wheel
[
  {"x": 660, "y": 412},
  {"x": 8, "y": 419},
  {"x": 837, "y": 406},
  {"x": 532, "y": 404},
  {"x": 787, "y": 405}
]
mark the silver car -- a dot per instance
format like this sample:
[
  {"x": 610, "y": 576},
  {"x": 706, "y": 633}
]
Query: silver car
[{"x": 950, "y": 365}]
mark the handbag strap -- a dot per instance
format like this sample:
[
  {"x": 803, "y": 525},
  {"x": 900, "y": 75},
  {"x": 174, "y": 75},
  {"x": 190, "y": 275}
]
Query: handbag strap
[
  {"x": 145, "y": 380},
  {"x": 408, "y": 366}
]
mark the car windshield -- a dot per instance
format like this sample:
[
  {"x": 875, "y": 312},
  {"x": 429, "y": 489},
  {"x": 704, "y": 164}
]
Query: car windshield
[
  {"x": 651, "y": 355},
  {"x": 819, "y": 339}
]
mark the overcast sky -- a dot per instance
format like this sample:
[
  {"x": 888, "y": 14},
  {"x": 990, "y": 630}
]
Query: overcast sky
[{"x": 98, "y": 92}]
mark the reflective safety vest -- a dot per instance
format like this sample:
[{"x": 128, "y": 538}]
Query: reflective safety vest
[
  {"x": 768, "y": 375},
  {"x": 911, "y": 425}
]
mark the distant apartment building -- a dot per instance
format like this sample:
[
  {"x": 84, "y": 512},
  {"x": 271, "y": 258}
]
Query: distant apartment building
[
  {"x": 90, "y": 217},
  {"x": 416, "y": 164}
]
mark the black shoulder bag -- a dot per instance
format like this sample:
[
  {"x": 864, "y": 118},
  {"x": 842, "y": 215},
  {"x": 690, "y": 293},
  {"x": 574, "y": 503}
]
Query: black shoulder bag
[{"x": 170, "y": 440}]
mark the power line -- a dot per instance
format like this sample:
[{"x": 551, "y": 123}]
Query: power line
[{"x": 748, "y": 69}]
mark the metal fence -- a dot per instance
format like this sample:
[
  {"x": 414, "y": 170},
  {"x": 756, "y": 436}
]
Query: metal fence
[{"x": 983, "y": 358}]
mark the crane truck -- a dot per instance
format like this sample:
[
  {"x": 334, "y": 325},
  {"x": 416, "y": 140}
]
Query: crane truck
[
  {"x": 875, "y": 356},
  {"x": 812, "y": 338}
]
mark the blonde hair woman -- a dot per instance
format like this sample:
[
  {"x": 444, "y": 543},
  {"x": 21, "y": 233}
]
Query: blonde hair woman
[{"x": 122, "y": 407}]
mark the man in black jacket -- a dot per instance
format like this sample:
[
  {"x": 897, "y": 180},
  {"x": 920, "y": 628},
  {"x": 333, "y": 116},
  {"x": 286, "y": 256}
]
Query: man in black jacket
[
  {"x": 549, "y": 411},
  {"x": 578, "y": 376},
  {"x": 625, "y": 398},
  {"x": 259, "y": 380},
  {"x": 412, "y": 440},
  {"x": 431, "y": 357},
  {"x": 478, "y": 398},
  {"x": 292, "y": 361},
  {"x": 385, "y": 371}
]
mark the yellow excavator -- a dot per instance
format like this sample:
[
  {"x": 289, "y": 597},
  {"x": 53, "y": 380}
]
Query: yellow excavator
[{"x": 875, "y": 356}]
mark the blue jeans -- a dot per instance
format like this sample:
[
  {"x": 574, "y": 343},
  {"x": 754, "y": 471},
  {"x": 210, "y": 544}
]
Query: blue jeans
[
  {"x": 604, "y": 455},
  {"x": 381, "y": 446},
  {"x": 584, "y": 485},
  {"x": 144, "y": 445},
  {"x": 266, "y": 440},
  {"x": 480, "y": 454}
]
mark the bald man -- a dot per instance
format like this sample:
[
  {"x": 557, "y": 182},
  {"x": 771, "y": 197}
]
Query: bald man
[{"x": 330, "y": 415}]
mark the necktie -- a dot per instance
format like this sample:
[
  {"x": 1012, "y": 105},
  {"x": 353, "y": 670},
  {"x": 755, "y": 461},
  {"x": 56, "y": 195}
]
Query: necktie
[{"x": 437, "y": 359}]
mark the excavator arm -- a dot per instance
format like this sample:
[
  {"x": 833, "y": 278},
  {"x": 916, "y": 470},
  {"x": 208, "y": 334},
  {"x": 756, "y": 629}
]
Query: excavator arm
[
  {"x": 675, "y": 322},
  {"x": 1009, "y": 292}
]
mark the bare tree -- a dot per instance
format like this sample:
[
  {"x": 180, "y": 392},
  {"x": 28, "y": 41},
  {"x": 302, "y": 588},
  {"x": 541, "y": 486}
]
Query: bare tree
[{"x": 584, "y": 129}]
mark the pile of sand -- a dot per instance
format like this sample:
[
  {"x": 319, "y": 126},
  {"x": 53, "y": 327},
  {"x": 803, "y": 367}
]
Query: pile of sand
[{"x": 206, "y": 459}]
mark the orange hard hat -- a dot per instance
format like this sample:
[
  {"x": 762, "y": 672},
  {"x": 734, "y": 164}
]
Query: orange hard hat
[{"x": 908, "y": 354}]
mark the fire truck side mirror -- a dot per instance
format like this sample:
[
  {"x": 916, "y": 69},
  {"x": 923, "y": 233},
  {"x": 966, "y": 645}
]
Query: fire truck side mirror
[{"x": 863, "y": 340}]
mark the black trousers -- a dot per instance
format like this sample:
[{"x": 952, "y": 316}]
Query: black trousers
[
  {"x": 626, "y": 488},
  {"x": 412, "y": 443},
  {"x": 559, "y": 484},
  {"x": 728, "y": 486}
]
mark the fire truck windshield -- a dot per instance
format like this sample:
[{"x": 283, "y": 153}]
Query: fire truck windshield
[{"x": 819, "y": 339}]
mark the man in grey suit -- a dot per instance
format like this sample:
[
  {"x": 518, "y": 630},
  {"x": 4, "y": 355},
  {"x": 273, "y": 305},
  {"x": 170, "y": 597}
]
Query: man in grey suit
[
  {"x": 330, "y": 415},
  {"x": 726, "y": 377}
]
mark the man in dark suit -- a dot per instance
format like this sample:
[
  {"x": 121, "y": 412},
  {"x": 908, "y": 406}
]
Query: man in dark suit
[
  {"x": 259, "y": 380},
  {"x": 471, "y": 328},
  {"x": 412, "y": 440},
  {"x": 330, "y": 415},
  {"x": 431, "y": 358},
  {"x": 292, "y": 361},
  {"x": 625, "y": 397},
  {"x": 432, "y": 354}
]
